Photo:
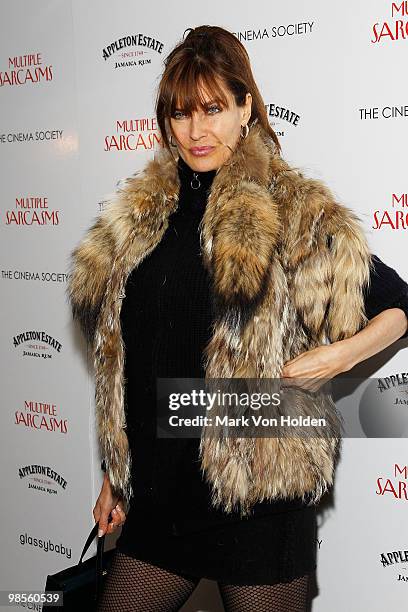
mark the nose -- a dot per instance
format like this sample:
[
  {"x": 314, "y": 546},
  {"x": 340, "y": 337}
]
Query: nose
[{"x": 197, "y": 126}]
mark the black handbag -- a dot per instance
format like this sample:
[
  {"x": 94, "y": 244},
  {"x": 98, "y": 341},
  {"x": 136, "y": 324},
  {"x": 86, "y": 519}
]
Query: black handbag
[{"x": 82, "y": 584}]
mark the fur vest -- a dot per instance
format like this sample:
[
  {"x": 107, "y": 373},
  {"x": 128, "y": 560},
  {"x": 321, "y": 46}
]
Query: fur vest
[{"x": 288, "y": 265}]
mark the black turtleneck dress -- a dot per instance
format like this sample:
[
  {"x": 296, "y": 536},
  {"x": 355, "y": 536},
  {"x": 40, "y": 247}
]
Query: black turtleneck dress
[{"x": 166, "y": 323}]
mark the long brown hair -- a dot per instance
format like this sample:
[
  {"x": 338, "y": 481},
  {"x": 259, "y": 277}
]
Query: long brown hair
[{"x": 214, "y": 57}]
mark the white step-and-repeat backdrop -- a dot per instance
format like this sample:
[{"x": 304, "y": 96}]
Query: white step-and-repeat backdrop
[{"x": 76, "y": 117}]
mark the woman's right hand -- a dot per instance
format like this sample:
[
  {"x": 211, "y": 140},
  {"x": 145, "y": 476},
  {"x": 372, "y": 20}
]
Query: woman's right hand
[{"x": 107, "y": 504}]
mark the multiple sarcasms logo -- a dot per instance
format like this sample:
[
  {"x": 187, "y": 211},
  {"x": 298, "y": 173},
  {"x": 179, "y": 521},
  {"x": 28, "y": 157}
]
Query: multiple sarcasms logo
[
  {"x": 394, "y": 29},
  {"x": 23, "y": 69},
  {"x": 383, "y": 409},
  {"x": 277, "y": 31},
  {"x": 396, "y": 218},
  {"x": 394, "y": 559},
  {"x": 32, "y": 211},
  {"x": 132, "y": 51},
  {"x": 41, "y": 416},
  {"x": 394, "y": 486},
  {"x": 42, "y": 478},
  {"x": 134, "y": 135},
  {"x": 37, "y": 344},
  {"x": 280, "y": 117}
]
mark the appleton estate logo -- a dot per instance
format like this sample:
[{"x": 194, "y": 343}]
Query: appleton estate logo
[
  {"x": 395, "y": 28},
  {"x": 132, "y": 50},
  {"x": 398, "y": 560},
  {"x": 37, "y": 343},
  {"x": 42, "y": 478},
  {"x": 280, "y": 117},
  {"x": 26, "y": 69},
  {"x": 383, "y": 407}
]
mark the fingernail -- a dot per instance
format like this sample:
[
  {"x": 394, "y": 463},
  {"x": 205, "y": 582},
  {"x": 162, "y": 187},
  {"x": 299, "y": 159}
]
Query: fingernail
[{"x": 100, "y": 533}]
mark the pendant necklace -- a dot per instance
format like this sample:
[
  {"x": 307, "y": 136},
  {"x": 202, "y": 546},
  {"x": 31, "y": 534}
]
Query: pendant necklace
[{"x": 195, "y": 181}]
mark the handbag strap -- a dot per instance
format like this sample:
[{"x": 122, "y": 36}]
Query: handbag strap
[
  {"x": 99, "y": 566},
  {"x": 99, "y": 555},
  {"x": 90, "y": 539}
]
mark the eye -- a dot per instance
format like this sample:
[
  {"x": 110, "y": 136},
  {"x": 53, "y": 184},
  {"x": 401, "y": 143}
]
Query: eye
[
  {"x": 178, "y": 114},
  {"x": 213, "y": 109}
]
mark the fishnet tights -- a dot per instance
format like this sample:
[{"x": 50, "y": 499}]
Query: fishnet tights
[
  {"x": 281, "y": 597},
  {"x": 136, "y": 586}
]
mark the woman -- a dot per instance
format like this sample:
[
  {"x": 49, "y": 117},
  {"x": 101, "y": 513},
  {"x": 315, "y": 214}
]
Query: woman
[{"x": 220, "y": 261}]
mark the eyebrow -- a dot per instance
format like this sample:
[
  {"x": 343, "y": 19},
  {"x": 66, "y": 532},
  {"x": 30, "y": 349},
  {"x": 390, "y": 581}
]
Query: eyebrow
[
  {"x": 209, "y": 103},
  {"x": 213, "y": 102}
]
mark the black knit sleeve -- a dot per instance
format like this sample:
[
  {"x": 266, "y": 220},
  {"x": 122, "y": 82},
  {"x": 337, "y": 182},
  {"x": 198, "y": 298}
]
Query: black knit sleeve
[{"x": 387, "y": 290}]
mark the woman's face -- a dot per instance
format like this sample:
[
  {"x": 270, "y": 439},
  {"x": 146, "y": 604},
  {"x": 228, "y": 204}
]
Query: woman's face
[{"x": 205, "y": 139}]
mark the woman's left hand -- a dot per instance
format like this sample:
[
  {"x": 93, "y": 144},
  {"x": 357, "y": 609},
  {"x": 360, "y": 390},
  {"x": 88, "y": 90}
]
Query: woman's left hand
[
  {"x": 328, "y": 360},
  {"x": 315, "y": 367}
]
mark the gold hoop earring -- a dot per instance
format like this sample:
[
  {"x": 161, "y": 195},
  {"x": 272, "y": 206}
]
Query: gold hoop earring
[{"x": 246, "y": 131}]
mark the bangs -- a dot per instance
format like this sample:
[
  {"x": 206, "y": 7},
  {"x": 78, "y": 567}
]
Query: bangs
[{"x": 185, "y": 89}]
